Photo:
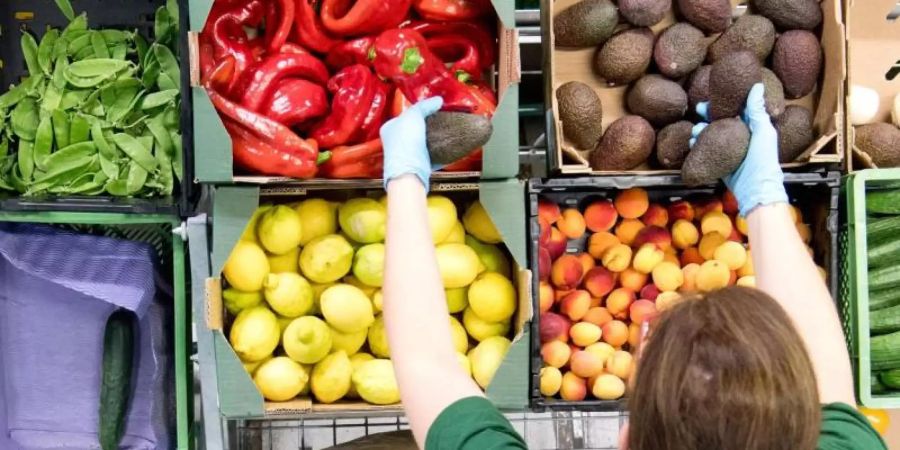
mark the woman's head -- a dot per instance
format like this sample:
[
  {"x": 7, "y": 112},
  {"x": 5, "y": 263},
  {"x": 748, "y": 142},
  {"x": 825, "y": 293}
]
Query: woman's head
[{"x": 724, "y": 371}]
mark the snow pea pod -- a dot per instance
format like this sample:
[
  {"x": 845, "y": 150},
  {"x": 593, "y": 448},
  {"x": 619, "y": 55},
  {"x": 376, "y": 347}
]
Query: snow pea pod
[
  {"x": 135, "y": 150},
  {"x": 43, "y": 143},
  {"x": 66, "y": 7},
  {"x": 168, "y": 65},
  {"x": 99, "y": 45},
  {"x": 62, "y": 173},
  {"x": 45, "y": 50},
  {"x": 78, "y": 43},
  {"x": 79, "y": 130},
  {"x": 24, "y": 119},
  {"x": 97, "y": 67},
  {"x": 137, "y": 177},
  {"x": 13, "y": 96},
  {"x": 30, "y": 52},
  {"x": 60, "y": 128},
  {"x": 26, "y": 159},
  {"x": 158, "y": 99}
]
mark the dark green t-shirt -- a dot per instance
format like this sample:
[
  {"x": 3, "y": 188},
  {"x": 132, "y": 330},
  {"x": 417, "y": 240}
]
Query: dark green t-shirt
[{"x": 473, "y": 423}]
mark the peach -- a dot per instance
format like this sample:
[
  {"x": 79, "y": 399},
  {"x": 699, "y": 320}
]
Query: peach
[
  {"x": 689, "y": 273},
  {"x": 576, "y": 304},
  {"x": 554, "y": 327},
  {"x": 667, "y": 300},
  {"x": 560, "y": 294},
  {"x": 601, "y": 349},
  {"x": 667, "y": 276},
  {"x": 715, "y": 221},
  {"x": 805, "y": 232},
  {"x": 634, "y": 335},
  {"x": 596, "y": 301},
  {"x": 620, "y": 364},
  {"x": 584, "y": 333},
  {"x": 732, "y": 277},
  {"x": 735, "y": 236},
  {"x": 608, "y": 387},
  {"x": 597, "y": 315},
  {"x": 618, "y": 301},
  {"x": 599, "y": 281},
  {"x": 649, "y": 292},
  {"x": 600, "y": 215},
  {"x": 548, "y": 210},
  {"x": 747, "y": 268},
  {"x": 600, "y": 242},
  {"x": 642, "y": 311},
  {"x": 557, "y": 243},
  {"x": 628, "y": 229},
  {"x": 571, "y": 223},
  {"x": 684, "y": 234},
  {"x": 617, "y": 258},
  {"x": 556, "y": 353},
  {"x": 587, "y": 262},
  {"x": 748, "y": 281},
  {"x": 546, "y": 296},
  {"x": 545, "y": 263},
  {"x": 551, "y": 381},
  {"x": 573, "y": 388},
  {"x": 691, "y": 255},
  {"x": 733, "y": 254},
  {"x": 729, "y": 203},
  {"x": 709, "y": 243},
  {"x": 544, "y": 227},
  {"x": 632, "y": 203},
  {"x": 654, "y": 235},
  {"x": 681, "y": 210},
  {"x": 632, "y": 279},
  {"x": 647, "y": 257},
  {"x": 567, "y": 272},
  {"x": 713, "y": 275},
  {"x": 586, "y": 364},
  {"x": 615, "y": 333},
  {"x": 707, "y": 205},
  {"x": 741, "y": 224},
  {"x": 672, "y": 258},
  {"x": 656, "y": 215}
]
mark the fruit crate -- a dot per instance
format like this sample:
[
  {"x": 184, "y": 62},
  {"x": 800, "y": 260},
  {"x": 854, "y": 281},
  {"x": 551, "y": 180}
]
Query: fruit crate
[
  {"x": 816, "y": 195},
  {"x": 155, "y": 230},
  {"x": 855, "y": 280},
  {"x": 238, "y": 398},
  {"x": 36, "y": 16}
]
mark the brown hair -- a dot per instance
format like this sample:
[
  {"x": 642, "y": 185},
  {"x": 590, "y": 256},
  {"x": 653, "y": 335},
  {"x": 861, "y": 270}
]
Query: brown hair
[{"x": 724, "y": 371}]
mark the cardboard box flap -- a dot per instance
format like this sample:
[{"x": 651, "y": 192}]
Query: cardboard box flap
[
  {"x": 505, "y": 203},
  {"x": 213, "y": 163},
  {"x": 233, "y": 207},
  {"x": 238, "y": 396},
  {"x": 829, "y": 108},
  {"x": 870, "y": 60},
  {"x": 296, "y": 406},
  {"x": 869, "y": 19},
  {"x": 215, "y": 310}
]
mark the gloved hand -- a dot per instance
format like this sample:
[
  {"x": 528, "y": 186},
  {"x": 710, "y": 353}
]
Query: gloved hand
[
  {"x": 758, "y": 180},
  {"x": 405, "y": 142}
]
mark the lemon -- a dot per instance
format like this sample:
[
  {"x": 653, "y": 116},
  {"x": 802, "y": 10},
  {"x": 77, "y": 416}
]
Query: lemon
[
  {"x": 307, "y": 340},
  {"x": 326, "y": 259},
  {"x": 288, "y": 262},
  {"x": 458, "y": 265},
  {"x": 479, "y": 224},
  {"x": 317, "y": 218},
  {"x": 280, "y": 379},
  {"x": 251, "y": 366},
  {"x": 254, "y": 333},
  {"x": 378, "y": 341},
  {"x": 486, "y": 358},
  {"x": 464, "y": 362},
  {"x": 457, "y": 299},
  {"x": 357, "y": 360},
  {"x": 441, "y": 217},
  {"x": 279, "y": 230},
  {"x": 349, "y": 343},
  {"x": 376, "y": 383},
  {"x": 249, "y": 233},
  {"x": 378, "y": 301},
  {"x": 363, "y": 219},
  {"x": 368, "y": 264},
  {"x": 283, "y": 322},
  {"x": 331, "y": 377},
  {"x": 353, "y": 281},
  {"x": 457, "y": 234},
  {"x": 346, "y": 308},
  {"x": 236, "y": 301},
  {"x": 460, "y": 338},
  {"x": 289, "y": 294},
  {"x": 318, "y": 289},
  {"x": 246, "y": 267},
  {"x": 492, "y": 297},
  {"x": 480, "y": 329},
  {"x": 491, "y": 256}
]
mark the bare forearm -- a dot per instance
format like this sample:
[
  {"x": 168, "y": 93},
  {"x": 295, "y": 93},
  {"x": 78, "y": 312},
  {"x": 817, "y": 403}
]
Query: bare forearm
[
  {"x": 785, "y": 271},
  {"x": 415, "y": 312}
]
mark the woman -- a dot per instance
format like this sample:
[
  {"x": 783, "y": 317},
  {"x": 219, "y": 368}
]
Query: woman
[{"x": 735, "y": 369}]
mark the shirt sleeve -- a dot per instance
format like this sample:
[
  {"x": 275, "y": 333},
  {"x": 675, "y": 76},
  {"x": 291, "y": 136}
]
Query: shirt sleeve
[
  {"x": 473, "y": 423},
  {"x": 844, "y": 428}
]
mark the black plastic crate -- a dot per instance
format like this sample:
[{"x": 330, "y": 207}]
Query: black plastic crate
[
  {"x": 36, "y": 16},
  {"x": 816, "y": 194}
]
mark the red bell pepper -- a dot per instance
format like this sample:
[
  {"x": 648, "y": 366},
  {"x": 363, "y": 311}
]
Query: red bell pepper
[
  {"x": 354, "y": 89},
  {"x": 399, "y": 103},
  {"x": 357, "y": 51},
  {"x": 452, "y": 10},
  {"x": 296, "y": 101},
  {"x": 477, "y": 32},
  {"x": 375, "y": 117},
  {"x": 279, "y": 21},
  {"x": 364, "y": 160},
  {"x": 461, "y": 52},
  {"x": 310, "y": 32},
  {"x": 259, "y": 83},
  {"x": 360, "y": 17},
  {"x": 262, "y": 157},
  {"x": 224, "y": 32}
]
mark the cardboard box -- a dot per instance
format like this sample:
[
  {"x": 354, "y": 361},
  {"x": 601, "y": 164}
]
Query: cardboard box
[
  {"x": 563, "y": 65},
  {"x": 873, "y": 51},
  {"x": 232, "y": 208},
  {"x": 213, "y": 160}
]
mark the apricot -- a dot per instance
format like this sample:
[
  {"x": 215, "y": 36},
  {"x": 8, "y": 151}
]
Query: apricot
[
  {"x": 557, "y": 243},
  {"x": 551, "y": 381},
  {"x": 707, "y": 205},
  {"x": 576, "y": 304},
  {"x": 653, "y": 235},
  {"x": 689, "y": 273},
  {"x": 600, "y": 242},
  {"x": 596, "y": 301},
  {"x": 618, "y": 301},
  {"x": 546, "y": 296},
  {"x": 667, "y": 300},
  {"x": 586, "y": 364},
  {"x": 729, "y": 203},
  {"x": 628, "y": 229},
  {"x": 709, "y": 243},
  {"x": 599, "y": 281},
  {"x": 632, "y": 279},
  {"x": 545, "y": 263},
  {"x": 715, "y": 221},
  {"x": 617, "y": 258},
  {"x": 691, "y": 255},
  {"x": 667, "y": 276},
  {"x": 597, "y": 315},
  {"x": 615, "y": 333},
  {"x": 573, "y": 388},
  {"x": 735, "y": 236},
  {"x": 544, "y": 227},
  {"x": 584, "y": 333},
  {"x": 601, "y": 349},
  {"x": 684, "y": 234},
  {"x": 732, "y": 277},
  {"x": 681, "y": 210},
  {"x": 634, "y": 335},
  {"x": 600, "y": 215},
  {"x": 747, "y": 281},
  {"x": 567, "y": 272},
  {"x": 571, "y": 223},
  {"x": 747, "y": 268},
  {"x": 656, "y": 215},
  {"x": 647, "y": 257},
  {"x": 548, "y": 210},
  {"x": 620, "y": 364},
  {"x": 733, "y": 254},
  {"x": 712, "y": 275},
  {"x": 805, "y": 233},
  {"x": 560, "y": 294},
  {"x": 554, "y": 327},
  {"x": 641, "y": 311},
  {"x": 741, "y": 224},
  {"x": 608, "y": 387},
  {"x": 649, "y": 292},
  {"x": 672, "y": 258},
  {"x": 632, "y": 203},
  {"x": 556, "y": 353}
]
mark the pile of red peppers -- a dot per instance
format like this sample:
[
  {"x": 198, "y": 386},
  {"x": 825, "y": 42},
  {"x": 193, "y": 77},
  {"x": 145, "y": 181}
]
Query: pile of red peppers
[{"x": 334, "y": 71}]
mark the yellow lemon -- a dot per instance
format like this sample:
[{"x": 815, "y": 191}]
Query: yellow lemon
[
  {"x": 486, "y": 358},
  {"x": 307, "y": 340},
  {"x": 368, "y": 264},
  {"x": 480, "y": 329},
  {"x": 492, "y": 297},
  {"x": 289, "y": 294},
  {"x": 330, "y": 378},
  {"x": 349, "y": 343},
  {"x": 346, "y": 308},
  {"x": 317, "y": 217},
  {"x": 279, "y": 230},
  {"x": 457, "y": 234},
  {"x": 479, "y": 224},
  {"x": 378, "y": 341},
  {"x": 457, "y": 299},
  {"x": 458, "y": 265},
  {"x": 376, "y": 383},
  {"x": 288, "y": 262},
  {"x": 363, "y": 219},
  {"x": 378, "y": 301},
  {"x": 357, "y": 360},
  {"x": 441, "y": 217},
  {"x": 460, "y": 338},
  {"x": 246, "y": 267},
  {"x": 491, "y": 256},
  {"x": 353, "y": 281},
  {"x": 254, "y": 333},
  {"x": 280, "y": 379},
  {"x": 236, "y": 301},
  {"x": 249, "y": 233},
  {"x": 326, "y": 259},
  {"x": 464, "y": 363},
  {"x": 251, "y": 366}
]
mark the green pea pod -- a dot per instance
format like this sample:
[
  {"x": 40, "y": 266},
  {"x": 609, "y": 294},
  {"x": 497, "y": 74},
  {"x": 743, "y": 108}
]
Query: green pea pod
[
  {"x": 151, "y": 72},
  {"x": 142, "y": 47},
  {"x": 161, "y": 135},
  {"x": 85, "y": 83},
  {"x": 163, "y": 27},
  {"x": 66, "y": 7},
  {"x": 102, "y": 143},
  {"x": 164, "y": 175},
  {"x": 99, "y": 45},
  {"x": 30, "y": 52},
  {"x": 146, "y": 141},
  {"x": 119, "y": 51},
  {"x": 72, "y": 99},
  {"x": 109, "y": 166},
  {"x": 79, "y": 43},
  {"x": 168, "y": 65},
  {"x": 117, "y": 188},
  {"x": 4, "y": 149},
  {"x": 13, "y": 96},
  {"x": 25, "y": 156},
  {"x": 93, "y": 106},
  {"x": 172, "y": 118},
  {"x": 137, "y": 177},
  {"x": 59, "y": 73},
  {"x": 77, "y": 24},
  {"x": 178, "y": 157},
  {"x": 114, "y": 36},
  {"x": 70, "y": 153},
  {"x": 60, "y": 128},
  {"x": 60, "y": 48},
  {"x": 119, "y": 98},
  {"x": 137, "y": 152},
  {"x": 172, "y": 7},
  {"x": 157, "y": 99},
  {"x": 84, "y": 54},
  {"x": 79, "y": 130},
  {"x": 52, "y": 98},
  {"x": 97, "y": 67},
  {"x": 61, "y": 174},
  {"x": 43, "y": 143},
  {"x": 45, "y": 50},
  {"x": 24, "y": 119}
]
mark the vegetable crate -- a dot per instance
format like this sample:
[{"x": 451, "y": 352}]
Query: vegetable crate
[
  {"x": 155, "y": 230},
  {"x": 19, "y": 16},
  {"x": 815, "y": 195},
  {"x": 856, "y": 297},
  {"x": 233, "y": 207}
]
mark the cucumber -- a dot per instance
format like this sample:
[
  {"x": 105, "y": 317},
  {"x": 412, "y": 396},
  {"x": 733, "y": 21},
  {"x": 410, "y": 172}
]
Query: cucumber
[
  {"x": 885, "y": 320},
  {"x": 879, "y": 230},
  {"x": 885, "y": 351},
  {"x": 884, "y": 253},
  {"x": 883, "y": 202},
  {"x": 890, "y": 379},
  {"x": 884, "y": 278},
  {"x": 115, "y": 390},
  {"x": 884, "y": 298},
  {"x": 877, "y": 386}
]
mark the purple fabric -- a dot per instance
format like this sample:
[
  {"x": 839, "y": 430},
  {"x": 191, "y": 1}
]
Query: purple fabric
[{"x": 57, "y": 290}]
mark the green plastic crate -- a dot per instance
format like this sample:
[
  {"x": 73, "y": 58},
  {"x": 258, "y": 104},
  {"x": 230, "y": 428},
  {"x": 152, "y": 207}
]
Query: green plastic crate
[{"x": 855, "y": 283}]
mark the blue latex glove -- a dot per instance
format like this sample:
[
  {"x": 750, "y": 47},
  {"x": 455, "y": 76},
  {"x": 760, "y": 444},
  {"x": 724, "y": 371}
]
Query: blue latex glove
[
  {"x": 405, "y": 142},
  {"x": 759, "y": 180}
]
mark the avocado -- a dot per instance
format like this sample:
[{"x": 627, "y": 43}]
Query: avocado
[
  {"x": 881, "y": 141},
  {"x": 627, "y": 144},
  {"x": 625, "y": 56},
  {"x": 658, "y": 100},
  {"x": 795, "y": 132},
  {"x": 749, "y": 32},
  {"x": 698, "y": 86},
  {"x": 644, "y": 13},
  {"x": 680, "y": 49},
  {"x": 791, "y": 14},
  {"x": 453, "y": 135},
  {"x": 673, "y": 144},
  {"x": 587, "y": 23},
  {"x": 720, "y": 149},
  {"x": 711, "y": 16},
  {"x": 774, "y": 93},
  {"x": 581, "y": 114},
  {"x": 730, "y": 80},
  {"x": 797, "y": 60}
]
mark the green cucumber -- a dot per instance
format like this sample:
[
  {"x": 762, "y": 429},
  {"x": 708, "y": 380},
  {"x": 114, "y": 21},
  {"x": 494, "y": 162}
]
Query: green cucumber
[
  {"x": 884, "y": 253},
  {"x": 890, "y": 379},
  {"x": 885, "y": 351},
  {"x": 878, "y": 230},
  {"x": 115, "y": 390},
  {"x": 877, "y": 386},
  {"x": 884, "y": 278},
  {"x": 884, "y": 298},
  {"x": 885, "y": 320},
  {"x": 883, "y": 202}
]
